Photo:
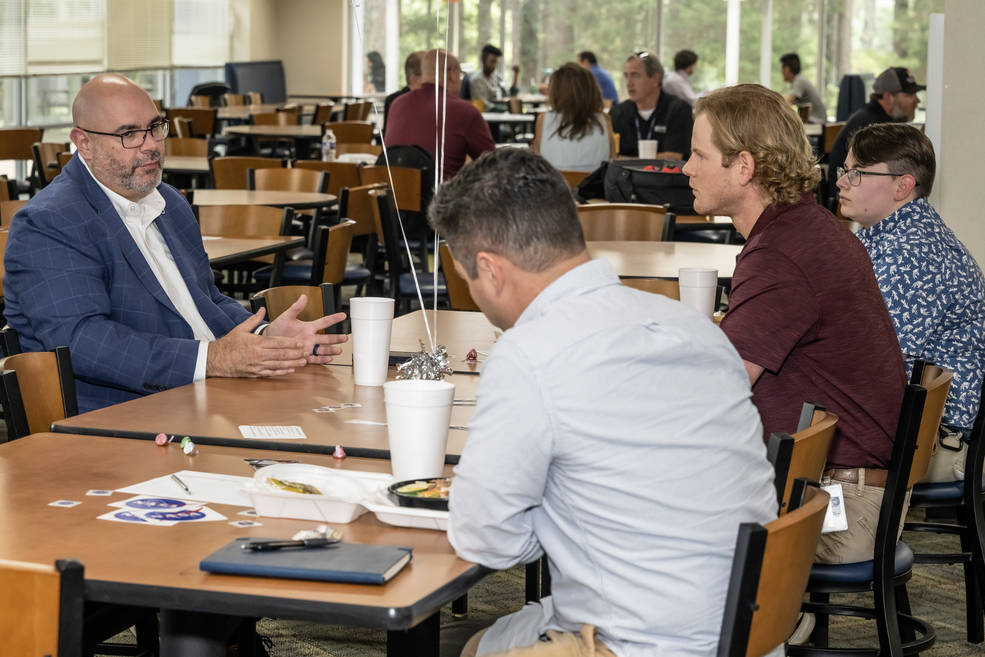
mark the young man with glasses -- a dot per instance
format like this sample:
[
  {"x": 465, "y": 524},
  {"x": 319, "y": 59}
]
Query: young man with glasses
[
  {"x": 932, "y": 286},
  {"x": 109, "y": 261}
]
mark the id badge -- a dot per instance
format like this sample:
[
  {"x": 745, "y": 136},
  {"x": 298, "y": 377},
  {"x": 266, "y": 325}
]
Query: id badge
[{"x": 834, "y": 517}]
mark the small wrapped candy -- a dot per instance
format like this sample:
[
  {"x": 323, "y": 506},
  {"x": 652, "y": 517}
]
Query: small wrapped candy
[
  {"x": 161, "y": 439},
  {"x": 187, "y": 446},
  {"x": 339, "y": 453},
  {"x": 472, "y": 355}
]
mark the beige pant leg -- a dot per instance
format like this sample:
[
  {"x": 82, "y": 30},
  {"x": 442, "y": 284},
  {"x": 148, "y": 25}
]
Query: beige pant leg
[{"x": 560, "y": 644}]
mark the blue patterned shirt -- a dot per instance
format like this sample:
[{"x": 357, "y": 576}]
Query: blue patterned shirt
[{"x": 935, "y": 293}]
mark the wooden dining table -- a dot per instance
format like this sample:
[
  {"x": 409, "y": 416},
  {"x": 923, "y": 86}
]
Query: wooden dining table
[
  {"x": 280, "y": 199},
  {"x": 664, "y": 259},
  {"x": 211, "y": 412},
  {"x": 158, "y": 567},
  {"x": 224, "y": 251}
]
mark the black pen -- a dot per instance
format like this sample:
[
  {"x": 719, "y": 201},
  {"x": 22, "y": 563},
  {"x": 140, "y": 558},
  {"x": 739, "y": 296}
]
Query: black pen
[{"x": 268, "y": 546}]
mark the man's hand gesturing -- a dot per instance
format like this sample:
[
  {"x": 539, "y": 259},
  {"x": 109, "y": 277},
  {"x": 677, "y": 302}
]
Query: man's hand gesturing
[{"x": 241, "y": 353}]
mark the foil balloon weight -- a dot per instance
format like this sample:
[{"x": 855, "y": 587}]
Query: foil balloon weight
[{"x": 426, "y": 365}]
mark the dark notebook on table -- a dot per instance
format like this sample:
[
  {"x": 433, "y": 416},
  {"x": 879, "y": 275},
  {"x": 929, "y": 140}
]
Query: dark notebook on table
[{"x": 356, "y": 563}]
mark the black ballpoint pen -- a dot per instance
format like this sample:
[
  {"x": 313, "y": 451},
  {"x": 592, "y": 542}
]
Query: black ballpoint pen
[{"x": 268, "y": 546}]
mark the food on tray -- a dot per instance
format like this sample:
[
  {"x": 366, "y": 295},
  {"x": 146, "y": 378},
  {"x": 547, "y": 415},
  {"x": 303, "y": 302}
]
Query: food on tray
[
  {"x": 293, "y": 486},
  {"x": 432, "y": 488}
]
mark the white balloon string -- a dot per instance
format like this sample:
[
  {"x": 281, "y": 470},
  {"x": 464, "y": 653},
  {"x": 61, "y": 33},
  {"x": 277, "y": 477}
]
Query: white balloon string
[{"x": 393, "y": 195}]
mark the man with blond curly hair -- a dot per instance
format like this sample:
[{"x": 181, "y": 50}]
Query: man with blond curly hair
[{"x": 805, "y": 311}]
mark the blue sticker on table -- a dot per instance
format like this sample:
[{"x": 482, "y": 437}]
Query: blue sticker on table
[
  {"x": 177, "y": 516},
  {"x": 128, "y": 517},
  {"x": 156, "y": 503}
]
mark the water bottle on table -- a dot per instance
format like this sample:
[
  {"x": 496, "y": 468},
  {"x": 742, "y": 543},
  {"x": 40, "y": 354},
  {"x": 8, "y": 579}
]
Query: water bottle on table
[{"x": 328, "y": 146}]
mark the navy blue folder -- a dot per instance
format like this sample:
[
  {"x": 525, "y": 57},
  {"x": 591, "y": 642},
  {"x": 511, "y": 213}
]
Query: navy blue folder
[{"x": 356, "y": 563}]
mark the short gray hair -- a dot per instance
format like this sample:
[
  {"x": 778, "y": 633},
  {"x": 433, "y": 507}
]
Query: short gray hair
[{"x": 651, "y": 63}]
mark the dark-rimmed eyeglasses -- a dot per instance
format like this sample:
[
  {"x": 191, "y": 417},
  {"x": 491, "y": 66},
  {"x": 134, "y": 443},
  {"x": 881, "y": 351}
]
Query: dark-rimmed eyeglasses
[
  {"x": 854, "y": 176},
  {"x": 135, "y": 138}
]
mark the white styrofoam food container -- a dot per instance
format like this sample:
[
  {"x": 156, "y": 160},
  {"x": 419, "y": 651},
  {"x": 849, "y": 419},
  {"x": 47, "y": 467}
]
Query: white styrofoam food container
[{"x": 341, "y": 501}]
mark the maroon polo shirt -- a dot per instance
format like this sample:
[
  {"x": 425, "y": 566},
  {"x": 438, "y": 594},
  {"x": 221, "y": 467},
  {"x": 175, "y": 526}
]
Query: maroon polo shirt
[
  {"x": 412, "y": 121},
  {"x": 806, "y": 307}
]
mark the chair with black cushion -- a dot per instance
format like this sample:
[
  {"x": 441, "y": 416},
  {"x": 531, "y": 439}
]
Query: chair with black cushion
[
  {"x": 321, "y": 302},
  {"x": 10, "y": 343},
  {"x": 399, "y": 280},
  {"x": 212, "y": 91},
  {"x": 340, "y": 174},
  {"x": 257, "y": 221},
  {"x": 964, "y": 499},
  {"x": 356, "y": 203},
  {"x": 204, "y": 121},
  {"x": 45, "y": 608},
  {"x": 802, "y": 454},
  {"x": 409, "y": 170},
  {"x": 36, "y": 389},
  {"x": 230, "y": 172},
  {"x": 351, "y": 132},
  {"x": 292, "y": 180},
  {"x": 769, "y": 574},
  {"x": 886, "y": 574},
  {"x": 459, "y": 296},
  {"x": 323, "y": 113},
  {"x": 15, "y": 144},
  {"x": 624, "y": 221},
  {"x": 231, "y": 100},
  {"x": 358, "y": 111},
  {"x": 46, "y": 164}
]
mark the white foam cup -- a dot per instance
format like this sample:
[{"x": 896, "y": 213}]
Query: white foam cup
[
  {"x": 417, "y": 416},
  {"x": 699, "y": 285},
  {"x": 648, "y": 149},
  {"x": 372, "y": 318}
]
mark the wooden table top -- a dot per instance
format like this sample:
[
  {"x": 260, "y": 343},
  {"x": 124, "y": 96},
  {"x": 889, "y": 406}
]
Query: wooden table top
[
  {"x": 186, "y": 164},
  {"x": 227, "y": 250},
  {"x": 158, "y": 566},
  {"x": 286, "y": 131},
  {"x": 212, "y": 410},
  {"x": 296, "y": 200},
  {"x": 460, "y": 331},
  {"x": 664, "y": 259}
]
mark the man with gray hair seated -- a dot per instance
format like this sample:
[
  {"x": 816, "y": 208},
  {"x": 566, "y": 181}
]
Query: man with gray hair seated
[
  {"x": 650, "y": 114},
  {"x": 614, "y": 432}
]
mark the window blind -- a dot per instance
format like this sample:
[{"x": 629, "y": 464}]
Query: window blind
[{"x": 200, "y": 36}]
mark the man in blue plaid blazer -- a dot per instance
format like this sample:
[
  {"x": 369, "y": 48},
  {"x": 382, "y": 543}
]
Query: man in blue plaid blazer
[{"x": 109, "y": 261}]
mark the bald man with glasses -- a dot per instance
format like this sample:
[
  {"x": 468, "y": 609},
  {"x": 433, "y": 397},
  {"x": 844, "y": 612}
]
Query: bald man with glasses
[{"x": 109, "y": 261}]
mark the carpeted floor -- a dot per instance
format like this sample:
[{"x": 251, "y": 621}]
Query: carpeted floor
[{"x": 936, "y": 595}]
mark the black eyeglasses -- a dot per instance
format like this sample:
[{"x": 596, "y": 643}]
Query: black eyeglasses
[
  {"x": 135, "y": 138},
  {"x": 855, "y": 175}
]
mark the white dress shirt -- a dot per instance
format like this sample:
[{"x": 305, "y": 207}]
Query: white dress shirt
[
  {"x": 138, "y": 217},
  {"x": 678, "y": 83},
  {"x": 614, "y": 431}
]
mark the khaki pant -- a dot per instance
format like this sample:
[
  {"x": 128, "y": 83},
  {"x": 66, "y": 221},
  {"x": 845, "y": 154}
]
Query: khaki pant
[
  {"x": 862, "y": 504},
  {"x": 551, "y": 644}
]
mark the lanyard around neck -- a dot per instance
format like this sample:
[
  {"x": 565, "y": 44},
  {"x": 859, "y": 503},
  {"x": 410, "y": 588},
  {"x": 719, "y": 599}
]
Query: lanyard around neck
[{"x": 650, "y": 123}]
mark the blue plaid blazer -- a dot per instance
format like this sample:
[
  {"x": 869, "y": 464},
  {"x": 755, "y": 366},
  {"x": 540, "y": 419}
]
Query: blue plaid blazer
[{"x": 75, "y": 277}]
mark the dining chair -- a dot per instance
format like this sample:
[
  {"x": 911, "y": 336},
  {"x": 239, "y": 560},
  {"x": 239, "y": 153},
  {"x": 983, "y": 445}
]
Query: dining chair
[
  {"x": 398, "y": 281},
  {"x": 340, "y": 174},
  {"x": 769, "y": 574},
  {"x": 358, "y": 111},
  {"x": 287, "y": 180},
  {"x": 574, "y": 177},
  {"x": 199, "y": 101},
  {"x": 891, "y": 566},
  {"x": 671, "y": 289},
  {"x": 7, "y": 211},
  {"x": 36, "y": 389},
  {"x": 254, "y": 97},
  {"x": 252, "y": 221},
  {"x": 9, "y": 341},
  {"x": 802, "y": 454},
  {"x": 407, "y": 185},
  {"x": 16, "y": 143},
  {"x": 46, "y": 164},
  {"x": 323, "y": 113},
  {"x": 204, "y": 122},
  {"x": 624, "y": 221},
  {"x": 459, "y": 296},
  {"x": 45, "y": 608},
  {"x": 186, "y": 147},
  {"x": 230, "y": 100},
  {"x": 230, "y": 172},
  {"x": 964, "y": 499},
  {"x": 8, "y": 189},
  {"x": 321, "y": 301},
  {"x": 351, "y": 132}
]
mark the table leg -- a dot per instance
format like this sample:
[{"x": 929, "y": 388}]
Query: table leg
[
  {"x": 419, "y": 641},
  {"x": 188, "y": 634}
]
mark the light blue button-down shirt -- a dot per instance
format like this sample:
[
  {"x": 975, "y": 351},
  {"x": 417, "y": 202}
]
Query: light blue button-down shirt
[{"x": 614, "y": 431}]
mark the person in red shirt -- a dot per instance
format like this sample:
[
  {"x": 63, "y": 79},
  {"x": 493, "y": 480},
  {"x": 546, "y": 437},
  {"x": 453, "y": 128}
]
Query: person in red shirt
[
  {"x": 805, "y": 311},
  {"x": 460, "y": 126}
]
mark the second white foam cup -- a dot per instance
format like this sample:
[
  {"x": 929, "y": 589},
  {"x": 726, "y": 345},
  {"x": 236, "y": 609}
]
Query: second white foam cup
[
  {"x": 417, "y": 416},
  {"x": 648, "y": 149},
  {"x": 699, "y": 285},
  {"x": 372, "y": 318}
]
